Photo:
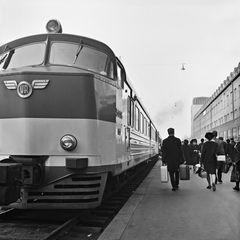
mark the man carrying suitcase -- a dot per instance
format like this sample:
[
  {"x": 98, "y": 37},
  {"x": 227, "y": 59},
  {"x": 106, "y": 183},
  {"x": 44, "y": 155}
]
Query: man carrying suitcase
[{"x": 173, "y": 157}]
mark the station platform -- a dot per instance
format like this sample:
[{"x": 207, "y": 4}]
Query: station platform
[{"x": 155, "y": 212}]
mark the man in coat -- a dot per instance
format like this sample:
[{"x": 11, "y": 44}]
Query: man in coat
[{"x": 172, "y": 156}]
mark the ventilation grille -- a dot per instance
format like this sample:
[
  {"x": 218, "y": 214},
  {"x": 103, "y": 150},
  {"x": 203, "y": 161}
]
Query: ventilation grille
[{"x": 70, "y": 192}]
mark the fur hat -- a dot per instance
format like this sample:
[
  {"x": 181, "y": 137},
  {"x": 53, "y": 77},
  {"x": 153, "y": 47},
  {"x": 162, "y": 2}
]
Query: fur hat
[{"x": 209, "y": 136}]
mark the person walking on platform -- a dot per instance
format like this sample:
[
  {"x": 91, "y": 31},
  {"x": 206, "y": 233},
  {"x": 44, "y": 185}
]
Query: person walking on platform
[
  {"x": 221, "y": 151},
  {"x": 236, "y": 163},
  {"x": 209, "y": 159},
  {"x": 194, "y": 150},
  {"x": 200, "y": 146},
  {"x": 173, "y": 157},
  {"x": 230, "y": 149},
  {"x": 186, "y": 152}
]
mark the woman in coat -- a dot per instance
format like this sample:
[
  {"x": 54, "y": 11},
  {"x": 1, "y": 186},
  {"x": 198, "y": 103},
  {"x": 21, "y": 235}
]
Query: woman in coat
[
  {"x": 236, "y": 163},
  {"x": 209, "y": 160}
]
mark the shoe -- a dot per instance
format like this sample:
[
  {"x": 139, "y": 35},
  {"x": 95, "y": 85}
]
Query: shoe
[
  {"x": 220, "y": 181},
  {"x": 236, "y": 188},
  {"x": 214, "y": 187},
  {"x": 174, "y": 189},
  {"x": 209, "y": 187}
]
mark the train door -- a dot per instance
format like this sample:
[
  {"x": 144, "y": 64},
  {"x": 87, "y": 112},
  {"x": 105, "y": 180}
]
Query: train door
[{"x": 120, "y": 114}]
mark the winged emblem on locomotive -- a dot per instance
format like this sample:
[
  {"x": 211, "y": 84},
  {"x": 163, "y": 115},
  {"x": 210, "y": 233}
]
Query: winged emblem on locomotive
[{"x": 24, "y": 89}]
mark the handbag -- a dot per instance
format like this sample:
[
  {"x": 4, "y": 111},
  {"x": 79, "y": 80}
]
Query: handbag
[
  {"x": 225, "y": 167},
  {"x": 221, "y": 158},
  {"x": 235, "y": 176},
  {"x": 203, "y": 173}
]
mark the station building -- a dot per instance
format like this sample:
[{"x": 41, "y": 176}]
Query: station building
[{"x": 220, "y": 112}]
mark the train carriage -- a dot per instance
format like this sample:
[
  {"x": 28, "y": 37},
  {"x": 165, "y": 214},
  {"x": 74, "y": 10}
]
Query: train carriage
[{"x": 69, "y": 119}]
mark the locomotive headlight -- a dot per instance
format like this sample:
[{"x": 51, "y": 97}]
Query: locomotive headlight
[
  {"x": 54, "y": 26},
  {"x": 68, "y": 142}
]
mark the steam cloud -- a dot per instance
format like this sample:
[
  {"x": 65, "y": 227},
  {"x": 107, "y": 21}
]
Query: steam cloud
[{"x": 169, "y": 113}]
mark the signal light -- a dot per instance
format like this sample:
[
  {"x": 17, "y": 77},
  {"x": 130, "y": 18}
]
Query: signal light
[{"x": 54, "y": 26}]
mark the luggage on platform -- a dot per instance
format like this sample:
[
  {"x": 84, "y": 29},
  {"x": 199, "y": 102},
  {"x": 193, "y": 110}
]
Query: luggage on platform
[
  {"x": 164, "y": 174},
  {"x": 184, "y": 172},
  {"x": 235, "y": 175}
]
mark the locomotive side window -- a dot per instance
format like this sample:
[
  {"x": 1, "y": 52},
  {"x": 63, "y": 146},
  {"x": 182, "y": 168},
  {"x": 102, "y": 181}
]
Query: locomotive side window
[
  {"x": 136, "y": 118},
  {"x": 132, "y": 113},
  {"x": 27, "y": 55},
  {"x": 141, "y": 123},
  {"x": 73, "y": 54},
  {"x": 129, "y": 111}
]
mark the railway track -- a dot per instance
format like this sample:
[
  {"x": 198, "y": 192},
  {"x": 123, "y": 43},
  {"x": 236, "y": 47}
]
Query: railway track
[{"x": 71, "y": 224}]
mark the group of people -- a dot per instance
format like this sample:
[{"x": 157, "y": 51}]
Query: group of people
[{"x": 211, "y": 154}]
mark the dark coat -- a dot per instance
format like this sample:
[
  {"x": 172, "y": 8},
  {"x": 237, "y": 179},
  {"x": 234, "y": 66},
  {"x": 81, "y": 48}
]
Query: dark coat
[
  {"x": 209, "y": 156},
  {"x": 172, "y": 153},
  {"x": 200, "y": 146},
  {"x": 194, "y": 150},
  {"x": 186, "y": 153},
  {"x": 230, "y": 150},
  {"x": 236, "y": 155}
]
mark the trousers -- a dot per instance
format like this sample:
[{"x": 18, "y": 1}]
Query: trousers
[{"x": 174, "y": 177}]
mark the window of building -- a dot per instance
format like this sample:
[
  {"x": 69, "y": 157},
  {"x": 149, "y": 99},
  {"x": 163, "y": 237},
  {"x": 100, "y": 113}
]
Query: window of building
[
  {"x": 225, "y": 134},
  {"x": 235, "y": 94},
  {"x": 234, "y": 133},
  {"x": 229, "y": 133}
]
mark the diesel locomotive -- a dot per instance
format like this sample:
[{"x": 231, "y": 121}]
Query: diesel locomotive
[{"x": 70, "y": 121}]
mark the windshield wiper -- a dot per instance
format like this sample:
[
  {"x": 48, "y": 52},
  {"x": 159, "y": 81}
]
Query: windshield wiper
[
  {"x": 9, "y": 57},
  {"x": 80, "y": 47},
  {"x": 3, "y": 58}
]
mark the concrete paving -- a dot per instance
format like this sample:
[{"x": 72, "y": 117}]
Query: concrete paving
[{"x": 193, "y": 213}]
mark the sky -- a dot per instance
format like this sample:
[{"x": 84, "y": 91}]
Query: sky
[{"x": 152, "y": 38}]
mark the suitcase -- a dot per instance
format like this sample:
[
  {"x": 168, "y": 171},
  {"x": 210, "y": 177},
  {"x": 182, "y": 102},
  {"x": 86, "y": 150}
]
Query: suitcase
[
  {"x": 164, "y": 174},
  {"x": 184, "y": 172}
]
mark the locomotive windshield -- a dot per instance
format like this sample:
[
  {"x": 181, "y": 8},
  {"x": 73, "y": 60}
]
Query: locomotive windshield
[
  {"x": 26, "y": 55},
  {"x": 79, "y": 55}
]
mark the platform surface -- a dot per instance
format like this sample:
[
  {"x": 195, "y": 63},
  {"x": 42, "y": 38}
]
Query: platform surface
[{"x": 155, "y": 212}]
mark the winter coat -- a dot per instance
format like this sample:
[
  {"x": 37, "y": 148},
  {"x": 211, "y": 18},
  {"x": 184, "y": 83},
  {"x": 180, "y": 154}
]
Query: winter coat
[
  {"x": 195, "y": 157},
  {"x": 186, "y": 153},
  {"x": 209, "y": 156},
  {"x": 172, "y": 153}
]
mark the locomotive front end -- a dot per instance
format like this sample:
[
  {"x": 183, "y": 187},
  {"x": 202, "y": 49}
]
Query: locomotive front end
[{"x": 57, "y": 121}]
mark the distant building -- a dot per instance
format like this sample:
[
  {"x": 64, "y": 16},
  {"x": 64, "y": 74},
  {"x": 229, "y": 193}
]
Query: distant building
[
  {"x": 221, "y": 112},
  {"x": 197, "y": 103}
]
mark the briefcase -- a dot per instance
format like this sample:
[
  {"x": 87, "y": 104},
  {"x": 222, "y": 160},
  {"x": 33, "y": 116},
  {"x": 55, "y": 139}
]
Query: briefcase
[
  {"x": 184, "y": 172},
  {"x": 164, "y": 174}
]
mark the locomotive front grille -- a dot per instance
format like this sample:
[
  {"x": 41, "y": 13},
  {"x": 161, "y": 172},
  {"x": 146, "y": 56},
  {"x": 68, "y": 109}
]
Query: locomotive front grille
[{"x": 76, "y": 191}]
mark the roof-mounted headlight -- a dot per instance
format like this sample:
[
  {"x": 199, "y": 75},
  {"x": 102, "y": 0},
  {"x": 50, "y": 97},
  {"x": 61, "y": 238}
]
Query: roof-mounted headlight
[{"x": 54, "y": 26}]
